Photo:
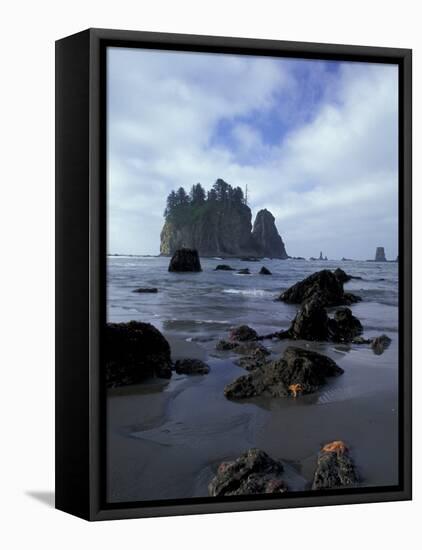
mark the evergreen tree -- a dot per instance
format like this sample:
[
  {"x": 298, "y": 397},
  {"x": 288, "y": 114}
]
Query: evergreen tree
[
  {"x": 222, "y": 189},
  {"x": 238, "y": 197},
  {"x": 197, "y": 194},
  {"x": 212, "y": 195},
  {"x": 182, "y": 197},
  {"x": 171, "y": 204}
]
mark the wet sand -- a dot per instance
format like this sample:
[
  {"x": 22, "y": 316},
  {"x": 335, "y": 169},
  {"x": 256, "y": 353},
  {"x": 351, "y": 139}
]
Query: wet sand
[{"x": 166, "y": 439}]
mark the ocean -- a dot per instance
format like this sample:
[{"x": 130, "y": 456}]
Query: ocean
[{"x": 166, "y": 440}]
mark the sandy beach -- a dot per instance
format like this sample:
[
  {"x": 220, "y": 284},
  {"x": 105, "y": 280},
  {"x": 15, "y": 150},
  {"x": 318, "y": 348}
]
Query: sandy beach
[{"x": 166, "y": 439}]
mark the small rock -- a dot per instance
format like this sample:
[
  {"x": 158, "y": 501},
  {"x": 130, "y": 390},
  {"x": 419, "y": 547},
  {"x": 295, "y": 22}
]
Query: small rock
[
  {"x": 244, "y": 271},
  {"x": 185, "y": 260},
  {"x": 146, "y": 290},
  {"x": 253, "y": 473},
  {"x": 345, "y": 326},
  {"x": 241, "y": 348},
  {"x": 191, "y": 366},
  {"x": 224, "y": 267},
  {"x": 334, "y": 468},
  {"x": 243, "y": 333},
  {"x": 256, "y": 359},
  {"x": 380, "y": 344},
  {"x": 264, "y": 271}
]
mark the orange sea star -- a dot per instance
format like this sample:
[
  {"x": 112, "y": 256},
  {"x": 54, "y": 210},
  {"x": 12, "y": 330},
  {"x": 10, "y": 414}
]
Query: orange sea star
[
  {"x": 338, "y": 447},
  {"x": 295, "y": 389}
]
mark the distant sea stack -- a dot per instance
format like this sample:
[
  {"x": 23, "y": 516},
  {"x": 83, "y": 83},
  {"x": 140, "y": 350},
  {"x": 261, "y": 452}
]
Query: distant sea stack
[
  {"x": 380, "y": 254},
  {"x": 218, "y": 223}
]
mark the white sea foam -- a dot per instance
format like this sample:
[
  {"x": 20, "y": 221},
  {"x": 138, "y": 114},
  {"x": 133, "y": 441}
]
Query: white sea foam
[{"x": 246, "y": 292}]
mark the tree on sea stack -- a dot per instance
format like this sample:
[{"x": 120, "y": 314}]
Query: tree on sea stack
[{"x": 185, "y": 259}]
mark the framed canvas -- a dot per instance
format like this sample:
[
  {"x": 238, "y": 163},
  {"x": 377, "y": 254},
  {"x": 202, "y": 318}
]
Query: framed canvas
[{"x": 233, "y": 276}]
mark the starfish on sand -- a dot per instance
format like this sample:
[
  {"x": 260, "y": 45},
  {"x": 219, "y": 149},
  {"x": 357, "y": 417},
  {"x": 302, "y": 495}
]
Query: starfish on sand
[
  {"x": 338, "y": 447},
  {"x": 295, "y": 389}
]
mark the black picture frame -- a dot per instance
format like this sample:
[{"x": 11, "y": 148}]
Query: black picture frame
[{"x": 81, "y": 270}]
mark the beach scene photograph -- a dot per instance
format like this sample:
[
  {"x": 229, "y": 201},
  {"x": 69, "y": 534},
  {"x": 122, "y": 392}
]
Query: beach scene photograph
[{"x": 252, "y": 338}]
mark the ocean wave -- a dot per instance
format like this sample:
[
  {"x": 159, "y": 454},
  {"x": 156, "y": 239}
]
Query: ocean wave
[{"x": 246, "y": 292}]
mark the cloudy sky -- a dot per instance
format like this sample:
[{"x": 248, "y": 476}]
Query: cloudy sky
[{"x": 315, "y": 141}]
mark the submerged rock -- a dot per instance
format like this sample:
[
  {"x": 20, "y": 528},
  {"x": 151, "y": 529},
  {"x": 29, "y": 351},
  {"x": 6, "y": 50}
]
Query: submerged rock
[
  {"x": 243, "y": 333},
  {"x": 253, "y": 473},
  {"x": 264, "y": 271},
  {"x": 135, "y": 351},
  {"x": 191, "y": 366},
  {"x": 224, "y": 267},
  {"x": 306, "y": 368},
  {"x": 380, "y": 344},
  {"x": 335, "y": 468},
  {"x": 244, "y": 271},
  {"x": 146, "y": 290},
  {"x": 323, "y": 284},
  {"x": 185, "y": 259}
]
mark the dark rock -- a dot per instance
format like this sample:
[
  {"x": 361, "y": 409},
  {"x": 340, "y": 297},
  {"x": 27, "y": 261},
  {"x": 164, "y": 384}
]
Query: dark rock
[
  {"x": 244, "y": 271},
  {"x": 253, "y": 473},
  {"x": 191, "y": 366},
  {"x": 380, "y": 344},
  {"x": 135, "y": 351},
  {"x": 361, "y": 340},
  {"x": 324, "y": 284},
  {"x": 335, "y": 468},
  {"x": 380, "y": 254},
  {"x": 341, "y": 275},
  {"x": 311, "y": 321},
  {"x": 146, "y": 290},
  {"x": 185, "y": 259},
  {"x": 242, "y": 334},
  {"x": 265, "y": 271},
  {"x": 266, "y": 236},
  {"x": 224, "y": 267},
  {"x": 345, "y": 326},
  {"x": 256, "y": 359},
  {"x": 241, "y": 348},
  {"x": 298, "y": 371},
  {"x": 249, "y": 259},
  {"x": 349, "y": 299}
]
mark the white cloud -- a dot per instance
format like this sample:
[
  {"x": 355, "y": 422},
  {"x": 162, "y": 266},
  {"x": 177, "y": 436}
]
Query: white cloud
[{"x": 331, "y": 182}]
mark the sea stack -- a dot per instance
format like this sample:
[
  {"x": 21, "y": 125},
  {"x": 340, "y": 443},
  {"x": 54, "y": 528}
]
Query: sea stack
[
  {"x": 380, "y": 254},
  {"x": 185, "y": 259},
  {"x": 267, "y": 239}
]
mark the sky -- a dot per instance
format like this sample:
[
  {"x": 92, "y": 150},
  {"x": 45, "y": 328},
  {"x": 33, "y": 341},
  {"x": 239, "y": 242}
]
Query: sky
[{"x": 316, "y": 142}]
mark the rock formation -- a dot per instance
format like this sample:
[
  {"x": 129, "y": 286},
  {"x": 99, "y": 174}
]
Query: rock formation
[
  {"x": 253, "y": 473},
  {"x": 325, "y": 284},
  {"x": 335, "y": 468},
  {"x": 264, "y": 271},
  {"x": 135, "y": 351},
  {"x": 185, "y": 259},
  {"x": 304, "y": 369},
  {"x": 191, "y": 366},
  {"x": 219, "y": 224},
  {"x": 380, "y": 254},
  {"x": 266, "y": 236}
]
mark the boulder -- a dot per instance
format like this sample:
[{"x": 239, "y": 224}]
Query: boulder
[
  {"x": 324, "y": 284},
  {"x": 257, "y": 358},
  {"x": 191, "y": 366},
  {"x": 146, "y": 290},
  {"x": 224, "y": 267},
  {"x": 264, "y": 271},
  {"x": 341, "y": 275},
  {"x": 253, "y": 473},
  {"x": 345, "y": 327},
  {"x": 243, "y": 334},
  {"x": 311, "y": 322},
  {"x": 185, "y": 259},
  {"x": 241, "y": 348},
  {"x": 335, "y": 468},
  {"x": 302, "y": 369},
  {"x": 380, "y": 343},
  {"x": 135, "y": 351}
]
